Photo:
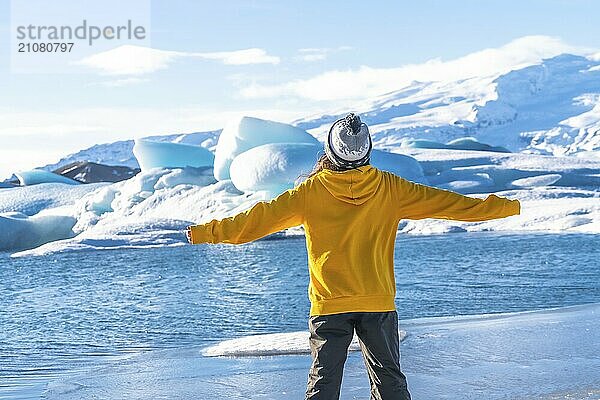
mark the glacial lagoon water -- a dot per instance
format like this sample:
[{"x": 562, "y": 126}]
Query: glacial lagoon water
[{"x": 63, "y": 314}]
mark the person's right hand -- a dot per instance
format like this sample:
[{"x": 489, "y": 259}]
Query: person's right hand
[{"x": 188, "y": 234}]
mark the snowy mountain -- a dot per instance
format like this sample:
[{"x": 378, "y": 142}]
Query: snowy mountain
[
  {"x": 549, "y": 108},
  {"x": 91, "y": 172}
]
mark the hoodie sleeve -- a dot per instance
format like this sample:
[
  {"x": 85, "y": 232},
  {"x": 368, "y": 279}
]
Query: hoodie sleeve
[
  {"x": 264, "y": 218},
  {"x": 416, "y": 201}
]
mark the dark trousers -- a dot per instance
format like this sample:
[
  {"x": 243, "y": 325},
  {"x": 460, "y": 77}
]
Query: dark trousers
[{"x": 330, "y": 336}]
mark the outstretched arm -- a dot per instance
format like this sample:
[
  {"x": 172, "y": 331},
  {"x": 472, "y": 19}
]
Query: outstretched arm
[
  {"x": 417, "y": 201},
  {"x": 264, "y": 218}
]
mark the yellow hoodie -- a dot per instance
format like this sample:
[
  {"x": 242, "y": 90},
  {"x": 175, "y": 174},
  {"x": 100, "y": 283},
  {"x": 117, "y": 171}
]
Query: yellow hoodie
[{"x": 350, "y": 219}]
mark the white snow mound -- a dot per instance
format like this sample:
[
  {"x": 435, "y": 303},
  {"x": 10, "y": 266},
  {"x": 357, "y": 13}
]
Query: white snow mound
[
  {"x": 273, "y": 167},
  {"x": 151, "y": 209},
  {"x": 245, "y": 133}
]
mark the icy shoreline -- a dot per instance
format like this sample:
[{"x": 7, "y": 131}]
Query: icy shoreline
[{"x": 546, "y": 354}]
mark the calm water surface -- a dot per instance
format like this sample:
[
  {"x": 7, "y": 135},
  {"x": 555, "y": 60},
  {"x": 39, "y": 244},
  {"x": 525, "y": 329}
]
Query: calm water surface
[{"x": 59, "y": 313}]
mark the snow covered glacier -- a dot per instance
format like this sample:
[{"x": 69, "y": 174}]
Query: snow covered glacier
[{"x": 558, "y": 194}]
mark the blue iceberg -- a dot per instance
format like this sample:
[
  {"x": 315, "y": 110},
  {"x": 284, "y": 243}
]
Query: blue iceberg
[
  {"x": 37, "y": 176},
  {"x": 247, "y": 132},
  {"x": 170, "y": 155},
  {"x": 399, "y": 164},
  {"x": 274, "y": 167},
  {"x": 277, "y": 167},
  {"x": 465, "y": 143},
  {"x": 19, "y": 231}
]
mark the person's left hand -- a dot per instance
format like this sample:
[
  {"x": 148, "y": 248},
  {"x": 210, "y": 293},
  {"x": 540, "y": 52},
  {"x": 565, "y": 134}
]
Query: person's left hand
[{"x": 188, "y": 234}]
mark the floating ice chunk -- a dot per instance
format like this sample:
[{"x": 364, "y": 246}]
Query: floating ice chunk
[
  {"x": 274, "y": 167},
  {"x": 535, "y": 181},
  {"x": 142, "y": 233},
  {"x": 271, "y": 344},
  {"x": 469, "y": 143},
  {"x": 399, "y": 164},
  {"x": 466, "y": 181},
  {"x": 19, "y": 231},
  {"x": 247, "y": 132},
  {"x": 100, "y": 201},
  {"x": 466, "y": 143},
  {"x": 473, "y": 186},
  {"x": 147, "y": 219},
  {"x": 186, "y": 176},
  {"x": 170, "y": 155},
  {"x": 432, "y": 227},
  {"x": 124, "y": 196},
  {"x": 443, "y": 166},
  {"x": 37, "y": 176},
  {"x": 423, "y": 144},
  {"x": 31, "y": 200}
]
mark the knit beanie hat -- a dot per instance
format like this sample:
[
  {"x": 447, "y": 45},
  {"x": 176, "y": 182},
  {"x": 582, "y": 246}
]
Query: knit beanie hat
[{"x": 348, "y": 142}]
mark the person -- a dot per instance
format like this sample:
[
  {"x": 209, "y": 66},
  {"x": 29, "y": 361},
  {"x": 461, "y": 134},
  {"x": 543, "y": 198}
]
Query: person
[{"x": 350, "y": 211}]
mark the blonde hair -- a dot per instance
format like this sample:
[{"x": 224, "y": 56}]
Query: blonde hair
[{"x": 323, "y": 162}]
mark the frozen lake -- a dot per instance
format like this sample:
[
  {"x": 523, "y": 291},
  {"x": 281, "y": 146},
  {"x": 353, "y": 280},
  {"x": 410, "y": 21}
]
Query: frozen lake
[{"x": 78, "y": 325}]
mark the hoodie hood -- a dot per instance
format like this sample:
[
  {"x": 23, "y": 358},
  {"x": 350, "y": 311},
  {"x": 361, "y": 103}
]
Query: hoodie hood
[{"x": 354, "y": 186}]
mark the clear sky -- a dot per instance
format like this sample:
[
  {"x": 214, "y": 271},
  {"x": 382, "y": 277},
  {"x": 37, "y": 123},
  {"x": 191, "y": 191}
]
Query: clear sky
[{"x": 208, "y": 61}]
